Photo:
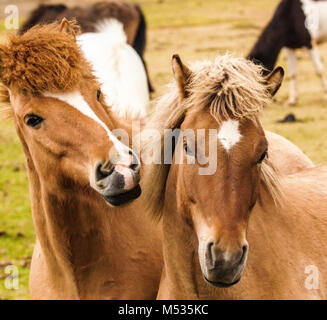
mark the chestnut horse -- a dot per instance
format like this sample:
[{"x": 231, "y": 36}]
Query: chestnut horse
[
  {"x": 206, "y": 228},
  {"x": 80, "y": 174}
]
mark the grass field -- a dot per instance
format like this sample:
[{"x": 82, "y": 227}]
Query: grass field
[{"x": 196, "y": 29}]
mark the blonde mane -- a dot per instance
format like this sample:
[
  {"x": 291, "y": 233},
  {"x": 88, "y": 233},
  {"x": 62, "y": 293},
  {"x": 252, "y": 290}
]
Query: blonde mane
[
  {"x": 229, "y": 88},
  {"x": 44, "y": 59}
]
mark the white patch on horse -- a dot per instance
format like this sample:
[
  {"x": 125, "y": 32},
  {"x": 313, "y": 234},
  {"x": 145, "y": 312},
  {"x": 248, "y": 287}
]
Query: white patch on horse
[
  {"x": 229, "y": 134},
  {"x": 315, "y": 18},
  {"x": 118, "y": 68},
  {"x": 77, "y": 101}
]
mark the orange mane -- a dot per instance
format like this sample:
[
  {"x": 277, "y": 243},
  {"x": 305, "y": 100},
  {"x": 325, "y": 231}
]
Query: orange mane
[{"x": 43, "y": 59}]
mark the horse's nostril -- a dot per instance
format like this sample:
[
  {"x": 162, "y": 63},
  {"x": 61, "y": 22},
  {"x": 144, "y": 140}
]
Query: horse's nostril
[
  {"x": 101, "y": 172},
  {"x": 244, "y": 251},
  {"x": 135, "y": 166},
  {"x": 209, "y": 250}
]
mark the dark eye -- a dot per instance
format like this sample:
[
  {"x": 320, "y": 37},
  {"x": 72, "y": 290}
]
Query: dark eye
[
  {"x": 33, "y": 120},
  {"x": 187, "y": 149},
  {"x": 263, "y": 156},
  {"x": 98, "y": 94}
]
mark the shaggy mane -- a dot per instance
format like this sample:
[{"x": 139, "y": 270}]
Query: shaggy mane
[
  {"x": 5, "y": 107},
  {"x": 42, "y": 59},
  {"x": 229, "y": 88}
]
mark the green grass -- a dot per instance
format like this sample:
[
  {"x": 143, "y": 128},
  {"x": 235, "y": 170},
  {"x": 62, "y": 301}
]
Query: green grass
[
  {"x": 16, "y": 244},
  {"x": 196, "y": 29}
]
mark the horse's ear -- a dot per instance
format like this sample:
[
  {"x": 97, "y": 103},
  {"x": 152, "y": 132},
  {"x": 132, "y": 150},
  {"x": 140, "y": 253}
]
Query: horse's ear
[
  {"x": 182, "y": 75},
  {"x": 69, "y": 27},
  {"x": 274, "y": 80}
]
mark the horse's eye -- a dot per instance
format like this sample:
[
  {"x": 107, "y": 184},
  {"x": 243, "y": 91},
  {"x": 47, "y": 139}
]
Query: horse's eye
[
  {"x": 33, "y": 120},
  {"x": 187, "y": 149},
  {"x": 98, "y": 94},
  {"x": 263, "y": 156}
]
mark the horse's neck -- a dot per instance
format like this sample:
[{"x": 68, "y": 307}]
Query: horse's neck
[
  {"x": 73, "y": 231},
  {"x": 81, "y": 242},
  {"x": 180, "y": 254},
  {"x": 75, "y": 254}
]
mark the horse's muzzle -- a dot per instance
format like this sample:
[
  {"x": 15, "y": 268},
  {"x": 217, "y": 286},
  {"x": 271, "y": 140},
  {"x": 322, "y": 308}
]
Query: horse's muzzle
[
  {"x": 119, "y": 184},
  {"x": 223, "y": 269}
]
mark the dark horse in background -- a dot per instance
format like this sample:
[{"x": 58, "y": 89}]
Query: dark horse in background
[
  {"x": 295, "y": 24},
  {"x": 130, "y": 15}
]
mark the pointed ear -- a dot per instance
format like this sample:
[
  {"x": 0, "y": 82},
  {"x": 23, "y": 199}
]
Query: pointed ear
[
  {"x": 182, "y": 75},
  {"x": 69, "y": 27},
  {"x": 274, "y": 80}
]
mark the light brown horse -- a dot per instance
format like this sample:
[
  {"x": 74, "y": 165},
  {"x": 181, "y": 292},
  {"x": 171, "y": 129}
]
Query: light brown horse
[
  {"x": 206, "y": 228},
  {"x": 87, "y": 246}
]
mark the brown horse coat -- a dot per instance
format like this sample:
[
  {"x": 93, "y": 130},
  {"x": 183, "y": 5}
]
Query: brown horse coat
[
  {"x": 287, "y": 230},
  {"x": 85, "y": 249}
]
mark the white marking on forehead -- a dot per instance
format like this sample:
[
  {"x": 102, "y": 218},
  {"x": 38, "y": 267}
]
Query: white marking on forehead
[
  {"x": 229, "y": 134},
  {"x": 77, "y": 101}
]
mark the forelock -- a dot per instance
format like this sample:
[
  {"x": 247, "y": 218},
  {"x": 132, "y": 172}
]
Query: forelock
[{"x": 42, "y": 59}]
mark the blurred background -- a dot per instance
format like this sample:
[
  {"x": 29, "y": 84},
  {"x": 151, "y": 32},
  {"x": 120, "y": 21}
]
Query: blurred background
[{"x": 195, "y": 29}]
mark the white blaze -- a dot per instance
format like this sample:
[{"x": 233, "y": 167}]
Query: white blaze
[
  {"x": 229, "y": 134},
  {"x": 77, "y": 101}
]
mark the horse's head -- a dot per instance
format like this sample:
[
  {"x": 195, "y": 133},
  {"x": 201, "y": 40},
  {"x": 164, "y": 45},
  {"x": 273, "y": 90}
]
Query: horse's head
[
  {"x": 58, "y": 110},
  {"x": 221, "y": 151},
  {"x": 226, "y": 98}
]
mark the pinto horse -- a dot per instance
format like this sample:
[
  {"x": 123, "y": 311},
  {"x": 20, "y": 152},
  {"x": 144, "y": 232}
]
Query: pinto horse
[
  {"x": 295, "y": 24},
  {"x": 90, "y": 242},
  {"x": 207, "y": 235},
  {"x": 89, "y": 18},
  {"x": 118, "y": 68}
]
